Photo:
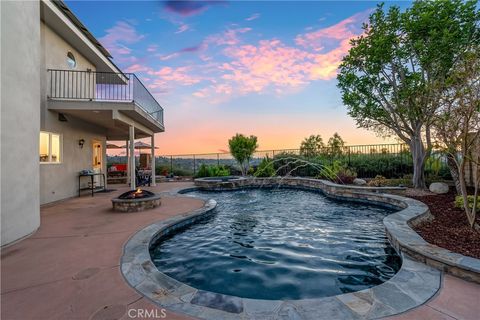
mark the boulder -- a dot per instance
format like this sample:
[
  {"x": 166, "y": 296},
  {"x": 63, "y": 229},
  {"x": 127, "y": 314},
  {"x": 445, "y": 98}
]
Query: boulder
[
  {"x": 359, "y": 182},
  {"x": 439, "y": 187}
]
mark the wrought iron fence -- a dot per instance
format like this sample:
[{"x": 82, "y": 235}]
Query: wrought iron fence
[
  {"x": 102, "y": 86},
  {"x": 388, "y": 160}
]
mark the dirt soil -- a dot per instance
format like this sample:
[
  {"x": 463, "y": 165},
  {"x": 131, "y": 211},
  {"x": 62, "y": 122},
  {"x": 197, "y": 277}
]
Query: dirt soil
[{"x": 449, "y": 229}]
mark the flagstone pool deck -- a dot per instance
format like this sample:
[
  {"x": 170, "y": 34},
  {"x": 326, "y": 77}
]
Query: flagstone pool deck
[{"x": 70, "y": 267}]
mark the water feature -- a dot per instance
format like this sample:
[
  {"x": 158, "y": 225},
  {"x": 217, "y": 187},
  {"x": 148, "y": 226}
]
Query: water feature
[{"x": 280, "y": 244}]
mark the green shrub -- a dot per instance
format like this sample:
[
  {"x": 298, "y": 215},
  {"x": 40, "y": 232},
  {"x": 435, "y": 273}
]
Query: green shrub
[
  {"x": 378, "y": 181},
  {"x": 233, "y": 170},
  {"x": 470, "y": 198},
  {"x": 295, "y": 165},
  {"x": 203, "y": 171},
  {"x": 338, "y": 172},
  {"x": 182, "y": 172},
  {"x": 265, "y": 168},
  {"x": 346, "y": 176},
  {"x": 220, "y": 171},
  {"x": 389, "y": 166},
  {"x": 212, "y": 171},
  {"x": 164, "y": 170},
  {"x": 405, "y": 181}
]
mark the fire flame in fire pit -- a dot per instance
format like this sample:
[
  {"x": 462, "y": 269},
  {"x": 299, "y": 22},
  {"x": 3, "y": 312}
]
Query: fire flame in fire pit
[{"x": 136, "y": 194}]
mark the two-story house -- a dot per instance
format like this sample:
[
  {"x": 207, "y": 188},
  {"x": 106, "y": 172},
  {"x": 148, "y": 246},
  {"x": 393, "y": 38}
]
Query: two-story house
[{"x": 62, "y": 98}]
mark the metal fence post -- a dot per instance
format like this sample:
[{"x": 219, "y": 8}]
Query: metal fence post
[
  {"x": 218, "y": 159},
  {"x": 194, "y": 166},
  {"x": 171, "y": 164}
]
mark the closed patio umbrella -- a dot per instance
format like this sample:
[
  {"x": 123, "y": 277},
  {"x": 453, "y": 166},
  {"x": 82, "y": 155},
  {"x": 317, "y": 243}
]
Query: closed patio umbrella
[
  {"x": 140, "y": 145},
  {"x": 113, "y": 146}
]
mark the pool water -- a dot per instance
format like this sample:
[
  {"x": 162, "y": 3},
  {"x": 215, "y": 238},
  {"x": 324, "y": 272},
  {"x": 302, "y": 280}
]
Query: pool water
[{"x": 280, "y": 244}]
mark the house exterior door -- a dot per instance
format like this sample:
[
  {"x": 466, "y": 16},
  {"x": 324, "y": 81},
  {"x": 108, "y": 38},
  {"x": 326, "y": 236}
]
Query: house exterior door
[{"x": 97, "y": 160}]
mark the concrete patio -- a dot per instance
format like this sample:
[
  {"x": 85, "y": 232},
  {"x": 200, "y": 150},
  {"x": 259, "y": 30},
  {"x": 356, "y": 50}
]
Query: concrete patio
[{"x": 69, "y": 268}]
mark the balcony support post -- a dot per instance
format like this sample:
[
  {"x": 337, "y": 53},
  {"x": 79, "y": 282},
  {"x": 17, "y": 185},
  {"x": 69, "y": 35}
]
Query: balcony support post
[
  {"x": 127, "y": 152},
  {"x": 153, "y": 161},
  {"x": 131, "y": 162}
]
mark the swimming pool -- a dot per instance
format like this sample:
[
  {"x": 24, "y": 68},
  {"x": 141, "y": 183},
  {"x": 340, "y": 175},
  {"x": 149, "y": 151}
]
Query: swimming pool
[{"x": 280, "y": 244}]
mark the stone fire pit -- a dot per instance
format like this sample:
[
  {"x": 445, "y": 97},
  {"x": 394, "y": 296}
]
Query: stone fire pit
[{"x": 136, "y": 200}]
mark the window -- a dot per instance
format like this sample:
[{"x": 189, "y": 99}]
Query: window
[
  {"x": 71, "y": 62},
  {"x": 50, "y": 147}
]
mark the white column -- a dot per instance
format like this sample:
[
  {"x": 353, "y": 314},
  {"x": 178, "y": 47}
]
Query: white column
[
  {"x": 153, "y": 160},
  {"x": 128, "y": 161},
  {"x": 104, "y": 164},
  {"x": 131, "y": 163}
]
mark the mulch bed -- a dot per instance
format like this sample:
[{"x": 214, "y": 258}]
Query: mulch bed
[{"x": 449, "y": 229}]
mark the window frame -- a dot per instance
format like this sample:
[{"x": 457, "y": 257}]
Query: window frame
[
  {"x": 72, "y": 58},
  {"x": 60, "y": 151}
]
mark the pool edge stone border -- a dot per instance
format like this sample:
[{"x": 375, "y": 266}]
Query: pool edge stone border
[
  {"x": 398, "y": 225},
  {"x": 413, "y": 285}
]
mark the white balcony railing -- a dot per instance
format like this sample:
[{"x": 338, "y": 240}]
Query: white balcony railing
[{"x": 102, "y": 86}]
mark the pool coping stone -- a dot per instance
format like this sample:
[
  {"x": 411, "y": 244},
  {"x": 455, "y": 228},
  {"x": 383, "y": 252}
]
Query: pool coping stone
[{"x": 413, "y": 285}]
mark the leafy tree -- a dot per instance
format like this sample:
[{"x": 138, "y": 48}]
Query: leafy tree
[
  {"x": 457, "y": 125},
  {"x": 390, "y": 77},
  {"x": 242, "y": 149},
  {"x": 312, "y": 146},
  {"x": 335, "y": 145}
]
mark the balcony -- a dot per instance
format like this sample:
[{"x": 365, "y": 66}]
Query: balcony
[{"x": 114, "y": 96}]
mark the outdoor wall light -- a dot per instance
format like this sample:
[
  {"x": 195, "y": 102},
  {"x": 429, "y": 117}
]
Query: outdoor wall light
[
  {"x": 62, "y": 118},
  {"x": 81, "y": 142}
]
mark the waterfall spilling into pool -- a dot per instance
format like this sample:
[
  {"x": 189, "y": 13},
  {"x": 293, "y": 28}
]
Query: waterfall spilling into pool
[{"x": 280, "y": 244}]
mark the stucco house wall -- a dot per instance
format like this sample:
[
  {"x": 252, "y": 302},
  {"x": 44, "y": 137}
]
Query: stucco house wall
[
  {"x": 55, "y": 50},
  {"x": 29, "y": 47},
  {"x": 60, "y": 180},
  {"x": 20, "y": 125}
]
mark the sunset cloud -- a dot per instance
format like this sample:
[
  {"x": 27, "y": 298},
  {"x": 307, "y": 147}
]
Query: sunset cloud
[
  {"x": 229, "y": 37},
  {"x": 191, "y": 49},
  {"x": 137, "y": 68},
  {"x": 173, "y": 55},
  {"x": 182, "y": 28},
  {"x": 169, "y": 56},
  {"x": 270, "y": 63},
  {"x": 253, "y": 17},
  {"x": 188, "y": 7},
  {"x": 232, "y": 66},
  {"x": 324, "y": 38},
  {"x": 152, "y": 48},
  {"x": 242, "y": 66},
  {"x": 273, "y": 66},
  {"x": 165, "y": 76},
  {"x": 118, "y": 37}
]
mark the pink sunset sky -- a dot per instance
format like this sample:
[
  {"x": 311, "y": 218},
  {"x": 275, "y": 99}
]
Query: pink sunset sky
[{"x": 220, "y": 68}]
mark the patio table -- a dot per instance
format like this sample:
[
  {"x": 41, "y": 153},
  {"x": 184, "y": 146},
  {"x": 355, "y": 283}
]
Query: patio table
[{"x": 92, "y": 185}]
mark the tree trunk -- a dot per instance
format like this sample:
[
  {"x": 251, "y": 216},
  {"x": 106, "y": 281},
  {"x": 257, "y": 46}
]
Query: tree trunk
[
  {"x": 452, "y": 166},
  {"x": 419, "y": 155},
  {"x": 463, "y": 186}
]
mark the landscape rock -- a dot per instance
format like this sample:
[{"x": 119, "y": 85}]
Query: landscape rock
[
  {"x": 359, "y": 182},
  {"x": 439, "y": 187}
]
